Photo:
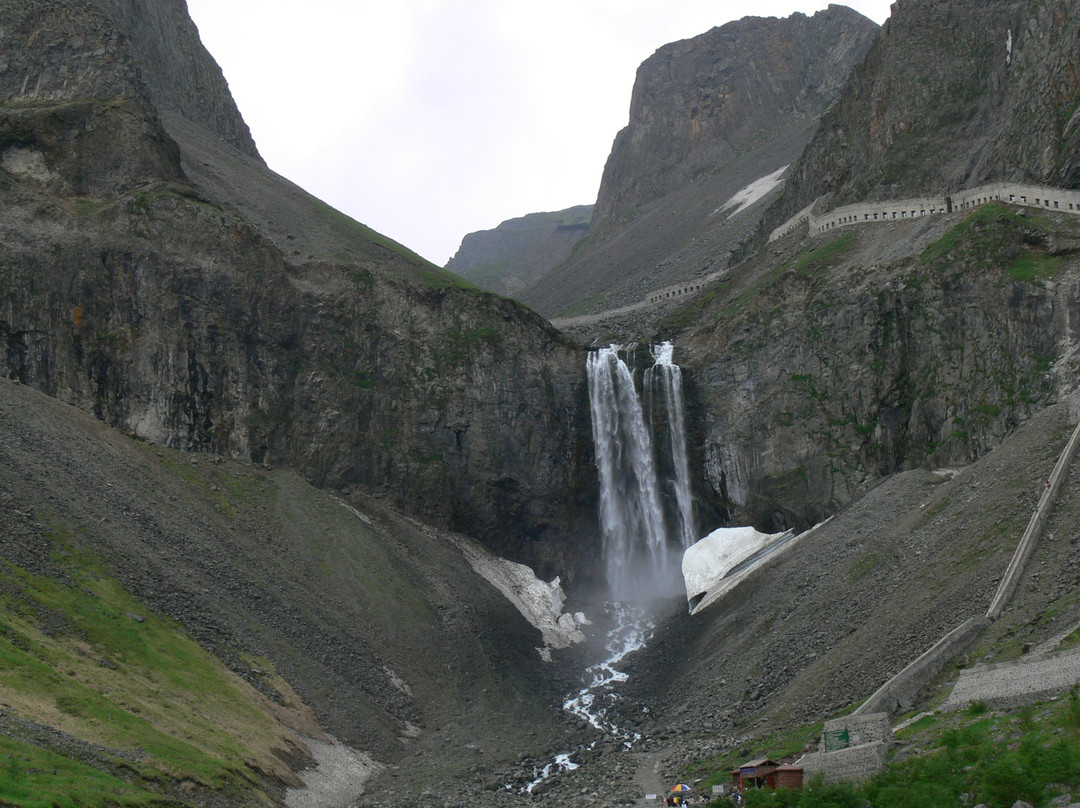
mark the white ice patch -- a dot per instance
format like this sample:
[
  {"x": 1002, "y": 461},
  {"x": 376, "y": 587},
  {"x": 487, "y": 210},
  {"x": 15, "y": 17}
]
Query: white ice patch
[
  {"x": 751, "y": 193},
  {"x": 337, "y": 779},
  {"x": 541, "y": 603},
  {"x": 710, "y": 559},
  {"x": 723, "y": 559}
]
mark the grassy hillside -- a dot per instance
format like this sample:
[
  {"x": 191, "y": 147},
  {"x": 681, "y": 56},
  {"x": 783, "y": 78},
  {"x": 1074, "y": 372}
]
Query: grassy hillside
[
  {"x": 137, "y": 709},
  {"x": 979, "y": 756},
  {"x": 174, "y": 627}
]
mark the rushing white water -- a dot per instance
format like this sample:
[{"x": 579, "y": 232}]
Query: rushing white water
[
  {"x": 631, "y": 517},
  {"x": 561, "y": 763},
  {"x": 635, "y": 534},
  {"x": 595, "y": 701},
  {"x": 633, "y": 627},
  {"x": 669, "y": 376}
]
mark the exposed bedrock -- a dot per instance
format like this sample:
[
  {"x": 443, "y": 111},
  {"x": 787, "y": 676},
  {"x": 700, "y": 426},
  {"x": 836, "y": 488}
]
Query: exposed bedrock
[
  {"x": 824, "y": 384},
  {"x": 144, "y": 277}
]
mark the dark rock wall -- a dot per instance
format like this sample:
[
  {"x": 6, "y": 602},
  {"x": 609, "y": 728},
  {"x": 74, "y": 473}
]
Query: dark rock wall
[
  {"x": 953, "y": 94},
  {"x": 700, "y": 102},
  {"x": 127, "y": 291},
  {"x": 823, "y": 383},
  {"x": 179, "y": 73}
]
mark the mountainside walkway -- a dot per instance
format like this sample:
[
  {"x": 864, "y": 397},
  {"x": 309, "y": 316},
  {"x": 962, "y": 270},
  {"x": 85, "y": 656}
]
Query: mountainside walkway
[
  {"x": 1032, "y": 196},
  {"x": 667, "y": 293}
]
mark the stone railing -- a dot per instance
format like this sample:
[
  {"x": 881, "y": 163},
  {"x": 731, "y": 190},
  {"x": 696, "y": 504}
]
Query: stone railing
[
  {"x": 864, "y": 213},
  {"x": 668, "y": 293},
  {"x": 902, "y": 209}
]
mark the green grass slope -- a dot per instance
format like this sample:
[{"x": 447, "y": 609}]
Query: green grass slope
[
  {"x": 80, "y": 655},
  {"x": 173, "y": 627}
]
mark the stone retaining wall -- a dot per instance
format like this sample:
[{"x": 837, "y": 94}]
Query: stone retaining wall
[
  {"x": 1032, "y": 678},
  {"x": 861, "y": 729},
  {"x": 867, "y": 212},
  {"x": 1034, "y": 529},
  {"x": 900, "y": 691},
  {"x": 854, "y": 763}
]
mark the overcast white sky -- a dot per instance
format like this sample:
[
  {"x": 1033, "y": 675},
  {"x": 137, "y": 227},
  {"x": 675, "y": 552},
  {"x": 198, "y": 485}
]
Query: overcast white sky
[{"x": 430, "y": 119}]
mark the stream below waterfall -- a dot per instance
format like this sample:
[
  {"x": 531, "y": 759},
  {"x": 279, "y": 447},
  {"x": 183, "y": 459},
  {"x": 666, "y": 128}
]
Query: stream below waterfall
[{"x": 595, "y": 701}]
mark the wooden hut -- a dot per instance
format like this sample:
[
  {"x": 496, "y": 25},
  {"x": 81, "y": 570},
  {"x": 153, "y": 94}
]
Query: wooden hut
[{"x": 766, "y": 773}]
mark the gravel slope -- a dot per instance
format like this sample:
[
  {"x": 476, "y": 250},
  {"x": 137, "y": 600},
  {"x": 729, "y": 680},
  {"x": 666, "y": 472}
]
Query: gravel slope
[{"x": 376, "y": 620}]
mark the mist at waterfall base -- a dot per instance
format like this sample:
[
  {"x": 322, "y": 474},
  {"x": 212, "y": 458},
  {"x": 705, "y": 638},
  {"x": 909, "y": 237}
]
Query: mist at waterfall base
[{"x": 639, "y": 439}]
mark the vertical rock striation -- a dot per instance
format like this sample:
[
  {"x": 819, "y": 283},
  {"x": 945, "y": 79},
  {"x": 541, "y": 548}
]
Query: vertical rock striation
[
  {"x": 162, "y": 278},
  {"x": 951, "y": 95}
]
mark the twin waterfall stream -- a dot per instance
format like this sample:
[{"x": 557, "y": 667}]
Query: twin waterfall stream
[{"x": 646, "y": 513}]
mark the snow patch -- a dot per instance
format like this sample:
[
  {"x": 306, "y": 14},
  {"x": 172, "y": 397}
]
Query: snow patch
[
  {"x": 751, "y": 193},
  {"x": 723, "y": 559},
  {"x": 337, "y": 779},
  {"x": 710, "y": 559},
  {"x": 541, "y": 603}
]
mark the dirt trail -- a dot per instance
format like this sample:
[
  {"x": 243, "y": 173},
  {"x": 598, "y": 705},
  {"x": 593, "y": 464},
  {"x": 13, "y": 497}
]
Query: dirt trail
[{"x": 649, "y": 777}]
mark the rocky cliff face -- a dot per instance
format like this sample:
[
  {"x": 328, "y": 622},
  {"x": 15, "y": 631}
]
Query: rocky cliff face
[
  {"x": 520, "y": 251},
  {"x": 822, "y": 367},
  {"x": 878, "y": 348},
  {"x": 179, "y": 74},
  {"x": 953, "y": 94},
  {"x": 173, "y": 286},
  {"x": 699, "y": 103},
  {"x": 709, "y": 116}
]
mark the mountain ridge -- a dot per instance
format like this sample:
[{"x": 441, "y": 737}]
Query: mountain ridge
[
  {"x": 509, "y": 257},
  {"x": 197, "y": 299},
  {"x": 709, "y": 116},
  {"x": 914, "y": 380}
]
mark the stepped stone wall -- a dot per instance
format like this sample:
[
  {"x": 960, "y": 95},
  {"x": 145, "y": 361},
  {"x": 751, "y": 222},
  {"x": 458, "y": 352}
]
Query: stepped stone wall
[
  {"x": 1056, "y": 199},
  {"x": 861, "y": 729},
  {"x": 1019, "y": 682},
  {"x": 854, "y": 763}
]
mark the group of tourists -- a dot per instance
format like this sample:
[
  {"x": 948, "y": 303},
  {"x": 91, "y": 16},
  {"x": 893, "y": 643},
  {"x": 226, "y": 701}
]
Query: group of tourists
[
  {"x": 686, "y": 799},
  {"x": 689, "y": 797}
]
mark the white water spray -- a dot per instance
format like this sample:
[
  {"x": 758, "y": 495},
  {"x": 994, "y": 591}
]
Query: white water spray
[
  {"x": 634, "y": 533},
  {"x": 631, "y": 518},
  {"x": 668, "y": 376},
  {"x": 636, "y": 546}
]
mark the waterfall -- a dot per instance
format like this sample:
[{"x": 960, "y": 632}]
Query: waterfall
[
  {"x": 634, "y": 528},
  {"x": 631, "y": 519},
  {"x": 668, "y": 376},
  {"x": 643, "y": 503}
]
